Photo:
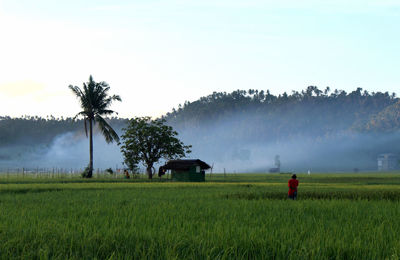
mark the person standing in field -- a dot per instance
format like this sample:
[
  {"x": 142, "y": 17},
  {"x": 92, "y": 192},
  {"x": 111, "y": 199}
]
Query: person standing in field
[
  {"x": 292, "y": 184},
  {"x": 126, "y": 173}
]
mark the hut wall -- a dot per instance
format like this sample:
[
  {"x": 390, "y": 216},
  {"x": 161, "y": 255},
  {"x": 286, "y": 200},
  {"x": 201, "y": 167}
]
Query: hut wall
[{"x": 188, "y": 175}]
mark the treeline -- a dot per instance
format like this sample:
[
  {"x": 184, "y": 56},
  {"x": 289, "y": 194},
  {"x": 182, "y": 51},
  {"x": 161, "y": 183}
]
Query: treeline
[
  {"x": 311, "y": 112},
  {"x": 34, "y": 130},
  {"x": 252, "y": 115},
  {"x": 313, "y": 129}
]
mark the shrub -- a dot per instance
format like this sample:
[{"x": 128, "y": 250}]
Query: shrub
[{"x": 86, "y": 172}]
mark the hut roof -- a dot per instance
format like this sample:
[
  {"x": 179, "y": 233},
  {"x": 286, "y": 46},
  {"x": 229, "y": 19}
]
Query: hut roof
[{"x": 185, "y": 164}]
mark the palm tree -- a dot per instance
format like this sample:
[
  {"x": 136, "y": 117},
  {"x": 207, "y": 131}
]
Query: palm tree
[{"x": 95, "y": 102}]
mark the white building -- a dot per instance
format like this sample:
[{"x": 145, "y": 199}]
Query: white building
[{"x": 388, "y": 162}]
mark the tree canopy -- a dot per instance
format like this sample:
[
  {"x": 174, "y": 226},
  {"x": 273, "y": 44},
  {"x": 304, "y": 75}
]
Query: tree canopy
[{"x": 147, "y": 141}]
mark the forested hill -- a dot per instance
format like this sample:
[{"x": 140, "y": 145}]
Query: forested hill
[
  {"x": 311, "y": 112},
  {"x": 32, "y": 141},
  {"x": 34, "y": 130},
  {"x": 312, "y": 129},
  {"x": 240, "y": 131}
]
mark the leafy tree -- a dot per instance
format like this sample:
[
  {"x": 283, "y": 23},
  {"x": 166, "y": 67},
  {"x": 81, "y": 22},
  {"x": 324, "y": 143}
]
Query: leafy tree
[
  {"x": 95, "y": 102},
  {"x": 147, "y": 141}
]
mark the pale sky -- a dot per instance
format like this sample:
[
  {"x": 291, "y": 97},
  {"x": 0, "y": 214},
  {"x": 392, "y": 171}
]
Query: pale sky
[{"x": 157, "y": 54}]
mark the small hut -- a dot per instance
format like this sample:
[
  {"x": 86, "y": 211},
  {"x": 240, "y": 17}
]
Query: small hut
[{"x": 187, "y": 170}]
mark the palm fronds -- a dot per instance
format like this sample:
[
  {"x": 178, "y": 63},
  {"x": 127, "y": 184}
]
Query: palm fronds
[{"x": 95, "y": 102}]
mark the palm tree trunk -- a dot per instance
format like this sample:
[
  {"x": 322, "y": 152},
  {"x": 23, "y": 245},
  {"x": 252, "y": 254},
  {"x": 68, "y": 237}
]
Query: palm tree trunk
[{"x": 90, "y": 149}]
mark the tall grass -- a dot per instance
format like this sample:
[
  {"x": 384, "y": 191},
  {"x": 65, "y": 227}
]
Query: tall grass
[{"x": 161, "y": 220}]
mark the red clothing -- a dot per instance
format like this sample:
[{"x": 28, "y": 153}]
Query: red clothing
[{"x": 292, "y": 184}]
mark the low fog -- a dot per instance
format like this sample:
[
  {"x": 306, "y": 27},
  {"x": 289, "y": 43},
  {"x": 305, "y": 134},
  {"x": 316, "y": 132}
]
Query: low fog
[
  {"x": 67, "y": 151},
  {"x": 340, "y": 153},
  {"x": 337, "y": 153}
]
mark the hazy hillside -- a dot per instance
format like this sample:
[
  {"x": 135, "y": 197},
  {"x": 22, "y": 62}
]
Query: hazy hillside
[
  {"x": 312, "y": 129},
  {"x": 239, "y": 131},
  {"x": 53, "y": 142}
]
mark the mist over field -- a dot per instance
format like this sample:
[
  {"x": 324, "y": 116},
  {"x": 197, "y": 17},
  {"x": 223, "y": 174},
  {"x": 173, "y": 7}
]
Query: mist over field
[
  {"x": 338, "y": 153},
  {"x": 236, "y": 132},
  {"x": 67, "y": 151}
]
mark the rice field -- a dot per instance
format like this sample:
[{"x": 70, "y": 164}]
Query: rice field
[{"x": 236, "y": 216}]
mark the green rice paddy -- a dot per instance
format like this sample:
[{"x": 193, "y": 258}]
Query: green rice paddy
[{"x": 238, "y": 216}]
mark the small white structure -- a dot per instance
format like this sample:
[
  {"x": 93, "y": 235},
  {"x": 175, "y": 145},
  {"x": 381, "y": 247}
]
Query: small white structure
[{"x": 388, "y": 162}]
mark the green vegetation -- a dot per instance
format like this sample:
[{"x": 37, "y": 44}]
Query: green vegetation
[
  {"x": 234, "y": 216},
  {"x": 147, "y": 141},
  {"x": 95, "y": 102},
  {"x": 285, "y": 115}
]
